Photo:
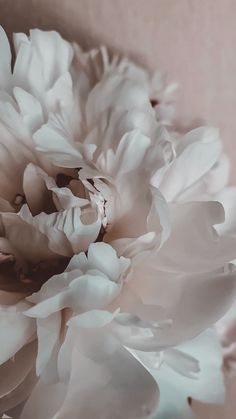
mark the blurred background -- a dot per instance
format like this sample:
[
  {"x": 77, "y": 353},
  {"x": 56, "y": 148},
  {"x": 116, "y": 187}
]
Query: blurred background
[{"x": 193, "y": 41}]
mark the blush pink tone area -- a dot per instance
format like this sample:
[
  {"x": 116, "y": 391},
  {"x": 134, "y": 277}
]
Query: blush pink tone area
[{"x": 194, "y": 41}]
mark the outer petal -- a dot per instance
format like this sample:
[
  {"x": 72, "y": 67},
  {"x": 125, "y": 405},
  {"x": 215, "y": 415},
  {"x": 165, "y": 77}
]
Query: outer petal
[
  {"x": 176, "y": 388},
  {"x": 102, "y": 390},
  {"x": 200, "y": 302},
  {"x": 13, "y": 375},
  {"x": 130, "y": 152},
  {"x": 30, "y": 107},
  {"x": 194, "y": 245},
  {"x": 44, "y": 401},
  {"x": 197, "y": 153},
  {"x": 34, "y": 247},
  {"x": 37, "y": 65},
  {"x": 57, "y": 148},
  {"x": 228, "y": 199},
  {"x": 48, "y": 331},
  {"x": 5, "y": 67},
  {"x": 15, "y": 329},
  {"x": 116, "y": 91}
]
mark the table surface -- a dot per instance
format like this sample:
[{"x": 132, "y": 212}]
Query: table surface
[{"x": 194, "y": 41}]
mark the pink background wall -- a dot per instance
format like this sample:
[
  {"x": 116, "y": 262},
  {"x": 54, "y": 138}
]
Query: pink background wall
[{"x": 194, "y": 40}]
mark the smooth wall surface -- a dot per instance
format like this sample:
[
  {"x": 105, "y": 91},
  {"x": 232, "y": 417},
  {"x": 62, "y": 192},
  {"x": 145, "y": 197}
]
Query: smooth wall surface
[{"x": 193, "y": 40}]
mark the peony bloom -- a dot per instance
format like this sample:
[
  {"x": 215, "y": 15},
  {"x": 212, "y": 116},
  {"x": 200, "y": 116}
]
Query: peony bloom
[{"x": 115, "y": 251}]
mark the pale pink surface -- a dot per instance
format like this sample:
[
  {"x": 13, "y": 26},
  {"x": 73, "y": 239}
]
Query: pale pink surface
[{"x": 193, "y": 40}]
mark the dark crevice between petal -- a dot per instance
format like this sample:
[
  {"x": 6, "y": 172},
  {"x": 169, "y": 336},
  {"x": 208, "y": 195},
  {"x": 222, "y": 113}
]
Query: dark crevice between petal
[{"x": 15, "y": 280}]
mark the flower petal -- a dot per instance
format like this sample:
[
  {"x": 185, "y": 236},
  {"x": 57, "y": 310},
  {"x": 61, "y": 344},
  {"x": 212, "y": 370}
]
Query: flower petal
[
  {"x": 48, "y": 331},
  {"x": 103, "y": 257},
  {"x": 197, "y": 153},
  {"x": 57, "y": 148},
  {"x": 5, "y": 67},
  {"x": 15, "y": 329},
  {"x": 103, "y": 389}
]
